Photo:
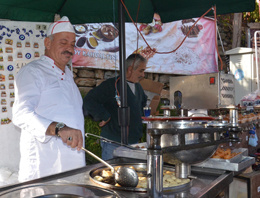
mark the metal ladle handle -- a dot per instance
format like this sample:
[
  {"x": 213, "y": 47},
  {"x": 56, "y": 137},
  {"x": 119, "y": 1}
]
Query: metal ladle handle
[{"x": 99, "y": 159}]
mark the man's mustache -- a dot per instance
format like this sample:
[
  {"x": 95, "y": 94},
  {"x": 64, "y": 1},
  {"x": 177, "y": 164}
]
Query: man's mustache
[{"x": 67, "y": 52}]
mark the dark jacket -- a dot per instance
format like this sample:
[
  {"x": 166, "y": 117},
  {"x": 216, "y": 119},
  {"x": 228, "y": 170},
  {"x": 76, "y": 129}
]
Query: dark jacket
[{"x": 101, "y": 104}]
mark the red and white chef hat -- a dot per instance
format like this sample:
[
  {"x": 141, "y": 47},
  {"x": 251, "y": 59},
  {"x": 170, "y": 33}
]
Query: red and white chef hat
[{"x": 62, "y": 25}]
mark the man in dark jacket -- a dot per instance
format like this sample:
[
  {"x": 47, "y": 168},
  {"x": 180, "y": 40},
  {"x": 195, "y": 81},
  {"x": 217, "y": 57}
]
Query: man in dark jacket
[{"x": 101, "y": 104}]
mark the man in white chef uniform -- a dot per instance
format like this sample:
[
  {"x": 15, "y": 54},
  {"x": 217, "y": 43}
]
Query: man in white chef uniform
[{"x": 48, "y": 109}]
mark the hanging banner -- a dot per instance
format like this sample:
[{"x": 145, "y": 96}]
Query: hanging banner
[
  {"x": 97, "y": 46},
  {"x": 20, "y": 43}
]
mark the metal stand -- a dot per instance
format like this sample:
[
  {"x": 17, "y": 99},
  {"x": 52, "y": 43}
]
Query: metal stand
[
  {"x": 184, "y": 142},
  {"x": 155, "y": 167}
]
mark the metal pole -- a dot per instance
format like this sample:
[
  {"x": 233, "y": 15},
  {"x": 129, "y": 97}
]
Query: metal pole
[
  {"x": 154, "y": 167},
  {"x": 256, "y": 58},
  {"x": 123, "y": 111}
]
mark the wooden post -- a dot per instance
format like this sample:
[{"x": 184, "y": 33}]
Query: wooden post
[{"x": 237, "y": 24}]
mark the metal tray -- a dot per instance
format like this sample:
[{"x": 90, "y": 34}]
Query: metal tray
[
  {"x": 97, "y": 171},
  {"x": 129, "y": 153},
  {"x": 235, "y": 159},
  {"x": 245, "y": 162}
]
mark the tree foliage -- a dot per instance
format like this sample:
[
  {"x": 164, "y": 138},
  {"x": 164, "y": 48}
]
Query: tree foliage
[
  {"x": 252, "y": 17},
  {"x": 92, "y": 143},
  {"x": 248, "y": 17}
]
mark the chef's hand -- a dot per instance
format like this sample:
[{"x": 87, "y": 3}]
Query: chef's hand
[
  {"x": 71, "y": 137},
  {"x": 103, "y": 123}
]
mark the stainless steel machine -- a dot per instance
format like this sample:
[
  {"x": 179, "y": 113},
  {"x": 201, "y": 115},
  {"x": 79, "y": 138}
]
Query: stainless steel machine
[
  {"x": 184, "y": 141},
  {"x": 205, "y": 91}
]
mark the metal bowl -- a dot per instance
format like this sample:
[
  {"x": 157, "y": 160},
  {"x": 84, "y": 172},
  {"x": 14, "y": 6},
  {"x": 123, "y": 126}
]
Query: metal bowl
[
  {"x": 186, "y": 141},
  {"x": 191, "y": 156},
  {"x": 137, "y": 166},
  {"x": 67, "y": 190}
]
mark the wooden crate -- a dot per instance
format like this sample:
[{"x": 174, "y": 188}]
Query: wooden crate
[{"x": 253, "y": 183}]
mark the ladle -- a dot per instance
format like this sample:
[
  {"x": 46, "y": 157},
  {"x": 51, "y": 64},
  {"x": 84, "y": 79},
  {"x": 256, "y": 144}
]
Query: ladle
[{"x": 124, "y": 176}]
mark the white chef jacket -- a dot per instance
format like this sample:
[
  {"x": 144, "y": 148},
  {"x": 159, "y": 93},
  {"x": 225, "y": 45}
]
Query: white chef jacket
[{"x": 43, "y": 94}]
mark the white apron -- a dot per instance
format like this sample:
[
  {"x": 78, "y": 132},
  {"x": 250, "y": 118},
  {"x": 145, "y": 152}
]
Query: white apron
[{"x": 43, "y": 94}]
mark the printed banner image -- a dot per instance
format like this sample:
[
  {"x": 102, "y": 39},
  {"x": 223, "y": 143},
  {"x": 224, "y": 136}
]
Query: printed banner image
[{"x": 97, "y": 46}]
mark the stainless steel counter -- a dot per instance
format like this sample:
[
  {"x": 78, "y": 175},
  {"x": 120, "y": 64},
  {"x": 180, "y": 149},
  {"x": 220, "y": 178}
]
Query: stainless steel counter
[{"x": 209, "y": 182}]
